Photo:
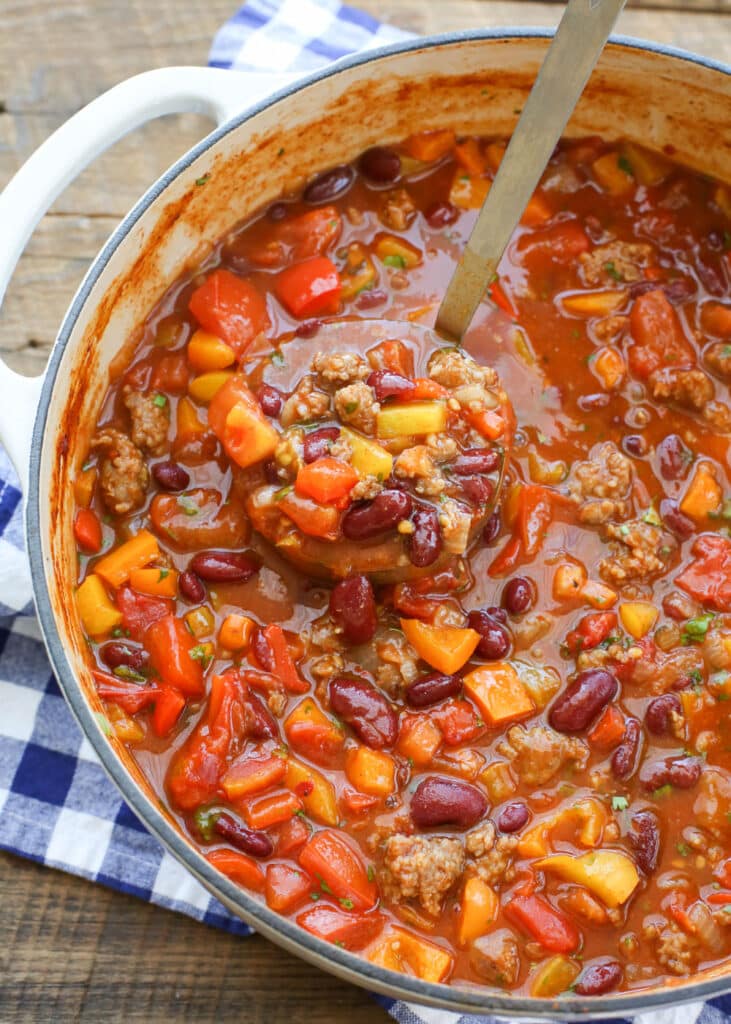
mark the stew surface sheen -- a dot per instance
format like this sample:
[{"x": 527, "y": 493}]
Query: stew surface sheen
[{"x": 479, "y": 745}]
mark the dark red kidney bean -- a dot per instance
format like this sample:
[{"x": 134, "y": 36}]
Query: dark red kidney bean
[
  {"x": 381, "y": 165},
  {"x": 492, "y": 528},
  {"x": 117, "y": 653},
  {"x": 443, "y": 801},
  {"x": 682, "y": 683},
  {"x": 191, "y": 587},
  {"x": 476, "y": 489},
  {"x": 388, "y": 384},
  {"x": 353, "y": 608},
  {"x": 645, "y": 840},
  {"x": 635, "y": 445},
  {"x": 673, "y": 457},
  {"x": 494, "y": 638},
  {"x": 308, "y": 329},
  {"x": 317, "y": 444},
  {"x": 383, "y": 513},
  {"x": 249, "y": 840},
  {"x": 224, "y": 566},
  {"x": 599, "y": 400},
  {"x": 270, "y": 399},
  {"x": 624, "y": 758},
  {"x": 513, "y": 816},
  {"x": 329, "y": 184},
  {"x": 599, "y": 978},
  {"x": 432, "y": 688},
  {"x": 371, "y": 298},
  {"x": 425, "y": 543},
  {"x": 498, "y": 613},
  {"x": 277, "y": 211},
  {"x": 583, "y": 700},
  {"x": 260, "y": 723},
  {"x": 675, "y": 520},
  {"x": 682, "y": 772},
  {"x": 518, "y": 595},
  {"x": 171, "y": 476},
  {"x": 475, "y": 460},
  {"x": 262, "y": 651},
  {"x": 441, "y": 215},
  {"x": 657, "y": 713},
  {"x": 366, "y": 711}
]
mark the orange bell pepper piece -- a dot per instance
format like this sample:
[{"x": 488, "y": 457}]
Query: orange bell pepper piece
[{"x": 445, "y": 648}]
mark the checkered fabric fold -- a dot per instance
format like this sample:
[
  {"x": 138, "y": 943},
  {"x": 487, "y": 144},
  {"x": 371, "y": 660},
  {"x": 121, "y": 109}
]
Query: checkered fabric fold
[{"x": 57, "y": 806}]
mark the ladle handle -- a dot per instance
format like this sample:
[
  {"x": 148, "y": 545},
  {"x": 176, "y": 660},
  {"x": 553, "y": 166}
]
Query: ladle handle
[{"x": 572, "y": 55}]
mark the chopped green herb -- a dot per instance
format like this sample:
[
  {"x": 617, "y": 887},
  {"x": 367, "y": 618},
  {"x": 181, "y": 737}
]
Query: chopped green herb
[
  {"x": 351, "y": 407},
  {"x": 205, "y": 821},
  {"x": 103, "y": 723},
  {"x": 620, "y": 803},
  {"x": 277, "y": 357},
  {"x": 346, "y": 903},
  {"x": 280, "y": 151},
  {"x": 651, "y": 517},
  {"x": 395, "y": 260},
  {"x": 164, "y": 573},
  {"x": 125, "y": 672},
  {"x": 339, "y": 942},
  {"x": 371, "y": 873},
  {"x": 613, "y": 272},
  {"x": 663, "y": 791},
  {"x": 624, "y": 165},
  {"x": 314, "y": 896},
  {"x": 160, "y": 401},
  {"x": 188, "y": 505},
  {"x": 278, "y": 495},
  {"x": 325, "y": 887},
  {"x": 203, "y": 180},
  {"x": 682, "y": 848},
  {"x": 201, "y": 654},
  {"x": 87, "y": 465}
]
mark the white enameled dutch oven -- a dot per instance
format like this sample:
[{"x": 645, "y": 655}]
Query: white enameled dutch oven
[{"x": 471, "y": 82}]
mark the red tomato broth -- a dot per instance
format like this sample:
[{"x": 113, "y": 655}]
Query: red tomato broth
[{"x": 557, "y": 428}]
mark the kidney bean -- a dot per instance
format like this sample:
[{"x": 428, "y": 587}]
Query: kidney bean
[
  {"x": 196, "y": 449},
  {"x": 635, "y": 445},
  {"x": 366, "y": 711},
  {"x": 494, "y": 638},
  {"x": 425, "y": 543},
  {"x": 224, "y": 566},
  {"x": 317, "y": 444},
  {"x": 675, "y": 520},
  {"x": 308, "y": 329},
  {"x": 270, "y": 399},
  {"x": 260, "y": 724},
  {"x": 432, "y": 688},
  {"x": 371, "y": 298},
  {"x": 513, "y": 816},
  {"x": 498, "y": 613},
  {"x": 673, "y": 457},
  {"x": 381, "y": 165},
  {"x": 599, "y": 978},
  {"x": 583, "y": 700},
  {"x": 262, "y": 651},
  {"x": 645, "y": 839},
  {"x": 682, "y": 772},
  {"x": 171, "y": 476},
  {"x": 518, "y": 595},
  {"x": 657, "y": 713},
  {"x": 475, "y": 460},
  {"x": 492, "y": 528},
  {"x": 353, "y": 608},
  {"x": 277, "y": 211},
  {"x": 249, "y": 840},
  {"x": 117, "y": 653},
  {"x": 599, "y": 400},
  {"x": 476, "y": 489},
  {"x": 389, "y": 384},
  {"x": 444, "y": 801},
  {"x": 191, "y": 587},
  {"x": 329, "y": 184},
  {"x": 441, "y": 215},
  {"x": 624, "y": 758},
  {"x": 383, "y": 513}
]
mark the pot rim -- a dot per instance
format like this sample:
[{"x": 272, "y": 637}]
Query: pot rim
[{"x": 275, "y": 927}]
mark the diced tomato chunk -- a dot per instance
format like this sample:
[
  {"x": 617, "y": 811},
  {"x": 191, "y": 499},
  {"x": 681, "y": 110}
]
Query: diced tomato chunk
[
  {"x": 231, "y": 308},
  {"x": 352, "y": 931},
  {"x": 540, "y": 921},
  {"x": 708, "y": 576},
  {"x": 88, "y": 531},
  {"x": 292, "y": 836},
  {"x": 458, "y": 722},
  {"x": 131, "y": 697},
  {"x": 168, "y": 708},
  {"x": 171, "y": 648},
  {"x": 658, "y": 336},
  {"x": 329, "y": 857},
  {"x": 238, "y": 867},
  {"x": 310, "y": 288},
  {"x": 139, "y": 611},
  {"x": 286, "y": 887}
]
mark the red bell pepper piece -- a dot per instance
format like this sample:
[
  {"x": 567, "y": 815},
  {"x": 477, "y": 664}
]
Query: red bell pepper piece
[
  {"x": 352, "y": 931},
  {"x": 312, "y": 233},
  {"x": 330, "y": 858},
  {"x": 310, "y": 288},
  {"x": 168, "y": 707},
  {"x": 658, "y": 336},
  {"x": 171, "y": 374},
  {"x": 458, "y": 722},
  {"x": 88, "y": 531},
  {"x": 131, "y": 697},
  {"x": 230, "y": 307},
  {"x": 498, "y": 296},
  {"x": 238, "y": 867},
  {"x": 327, "y": 481},
  {"x": 292, "y": 837},
  {"x": 283, "y": 663},
  {"x": 286, "y": 887},
  {"x": 538, "y": 919},
  {"x": 139, "y": 611},
  {"x": 708, "y": 576},
  {"x": 591, "y": 631},
  {"x": 561, "y": 242},
  {"x": 170, "y": 646},
  {"x": 392, "y": 355}
]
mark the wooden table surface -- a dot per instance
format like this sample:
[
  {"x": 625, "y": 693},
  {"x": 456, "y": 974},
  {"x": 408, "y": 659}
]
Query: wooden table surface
[{"x": 73, "y": 951}]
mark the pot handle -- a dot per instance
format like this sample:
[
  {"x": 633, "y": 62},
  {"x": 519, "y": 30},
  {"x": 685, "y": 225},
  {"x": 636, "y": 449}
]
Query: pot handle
[{"x": 28, "y": 195}]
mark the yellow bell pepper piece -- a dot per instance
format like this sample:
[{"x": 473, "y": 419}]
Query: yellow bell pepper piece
[
  {"x": 594, "y": 303},
  {"x": 200, "y": 621},
  {"x": 358, "y": 273},
  {"x": 155, "y": 582},
  {"x": 445, "y": 648},
  {"x": 638, "y": 617},
  {"x": 187, "y": 421},
  {"x": 478, "y": 909},
  {"x": 320, "y": 803},
  {"x": 401, "y": 950},
  {"x": 610, "y": 875},
  {"x": 98, "y": 614},
  {"x": 468, "y": 192},
  {"x": 703, "y": 495},
  {"x": 498, "y": 693},
  {"x": 541, "y": 682},
  {"x": 498, "y": 780},
  {"x": 135, "y": 553},
  {"x": 236, "y": 632},
  {"x": 204, "y": 388},
  {"x": 397, "y": 252},
  {"x": 307, "y": 712},
  {"x": 649, "y": 168},
  {"x": 208, "y": 352},
  {"x": 598, "y": 595},
  {"x": 411, "y": 418},
  {"x": 369, "y": 458},
  {"x": 568, "y": 581},
  {"x": 371, "y": 771},
  {"x": 589, "y": 816},
  {"x": 614, "y": 174},
  {"x": 554, "y": 977},
  {"x": 609, "y": 366},
  {"x": 84, "y": 486}
]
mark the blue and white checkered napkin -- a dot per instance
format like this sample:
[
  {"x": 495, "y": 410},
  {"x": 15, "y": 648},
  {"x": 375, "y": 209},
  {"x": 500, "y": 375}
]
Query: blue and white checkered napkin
[{"x": 56, "y": 804}]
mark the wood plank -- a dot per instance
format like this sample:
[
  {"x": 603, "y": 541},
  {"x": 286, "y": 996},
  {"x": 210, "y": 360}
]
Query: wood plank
[{"x": 73, "y": 951}]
